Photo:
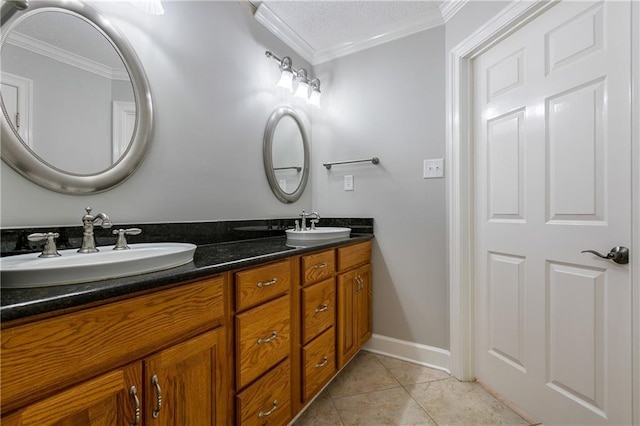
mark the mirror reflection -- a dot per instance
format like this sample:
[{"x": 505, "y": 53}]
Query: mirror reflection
[
  {"x": 67, "y": 92},
  {"x": 288, "y": 154}
]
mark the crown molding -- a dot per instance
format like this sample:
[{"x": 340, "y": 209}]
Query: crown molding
[
  {"x": 280, "y": 29},
  {"x": 69, "y": 58},
  {"x": 450, "y": 7},
  {"x": 405, "y": 29}
]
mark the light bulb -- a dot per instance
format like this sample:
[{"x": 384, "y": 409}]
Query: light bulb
[
  {"x": 314, "y": 98},
  {"x": 303, "y": 90},
  {"x": 153, "y": 7},
  {"x": 286, "y": 80}
]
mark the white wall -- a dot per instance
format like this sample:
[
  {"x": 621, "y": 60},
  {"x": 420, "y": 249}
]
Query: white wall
[
  {"x": 388, "y": 101},
  {"x": 213, "y": 90}
]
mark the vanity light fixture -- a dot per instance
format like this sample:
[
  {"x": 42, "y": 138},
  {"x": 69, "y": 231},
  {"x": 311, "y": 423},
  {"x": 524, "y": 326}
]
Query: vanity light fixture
[
  {"x": 153, "y": 7},
  {"x": 286, "y": 74},
  {"x": 307, "y": 90},
  {"x": 314, "y": 97},
  {"x": 302, "y": 91}
]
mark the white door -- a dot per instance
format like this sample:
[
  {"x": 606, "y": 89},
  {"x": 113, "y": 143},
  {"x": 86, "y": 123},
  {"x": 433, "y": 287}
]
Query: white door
[
  {"x": 552, "y": 124},
  {"x": 16, "y": 94}
]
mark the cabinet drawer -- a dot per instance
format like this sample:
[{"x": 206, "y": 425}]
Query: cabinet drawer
[
  {"x": 258, "y": 285},
  {"x": 354, "y": 255},
  {"x": 40, "y": 357},
  {"x": 319, "y": 363},
  {"x": 318, "y": 308},
  {"x": 318, "y": 266},
  {"x": 262, "y": 339},
  {"x": 267, "y": 401}
]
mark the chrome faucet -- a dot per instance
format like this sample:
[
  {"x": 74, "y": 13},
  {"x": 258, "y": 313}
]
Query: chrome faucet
[
  {"x": 88, "y": 221},
  {"x": 314, "y": 216}
]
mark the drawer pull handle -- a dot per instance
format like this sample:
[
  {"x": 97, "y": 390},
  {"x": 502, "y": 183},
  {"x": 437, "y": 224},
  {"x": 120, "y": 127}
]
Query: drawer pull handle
[
  {"x": 267, "y": 283},
  {"x": 320, "y": 265},
  {"x": 156, "y": 412},
  {"x": 268, "y": 413},
  {"x": 136, "y": 403},
  {"x": 322, "y": 308},
  {"x": 274, "y": 334},
  {"x": 324, "y": 362}
]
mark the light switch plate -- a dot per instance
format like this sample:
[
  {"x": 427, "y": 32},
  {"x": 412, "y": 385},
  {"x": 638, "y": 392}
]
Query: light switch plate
[
  {"x": 433, "y": 168},
  {"x": 348, "y": 182}
]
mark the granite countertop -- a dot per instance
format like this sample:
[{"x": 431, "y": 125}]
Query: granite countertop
[{"x": 209, "y": 259}]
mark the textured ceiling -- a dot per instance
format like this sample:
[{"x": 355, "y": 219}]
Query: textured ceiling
[
  {"x": 325, "y": 24},
  {"x": 322, "y": 30},
  {"x": 72, "y": 34}
]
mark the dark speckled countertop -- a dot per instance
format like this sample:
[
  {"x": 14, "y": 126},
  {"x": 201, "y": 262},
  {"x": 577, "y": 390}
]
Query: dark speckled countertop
[{"x": 209, "y": 259}]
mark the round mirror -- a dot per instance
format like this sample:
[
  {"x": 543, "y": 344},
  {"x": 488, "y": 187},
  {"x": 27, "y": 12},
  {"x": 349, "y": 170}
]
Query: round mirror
[
  {"x": 76, "y": 105},
  {"x": 286, "y": 154}
]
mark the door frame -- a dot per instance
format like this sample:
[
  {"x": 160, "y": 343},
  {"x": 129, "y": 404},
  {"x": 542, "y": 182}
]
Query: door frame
[{"x": 459, "y": 178}]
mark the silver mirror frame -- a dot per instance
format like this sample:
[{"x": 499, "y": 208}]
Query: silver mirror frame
[
  {"x": 26, "y": 162},
  {"x": 267, "y": 146}
]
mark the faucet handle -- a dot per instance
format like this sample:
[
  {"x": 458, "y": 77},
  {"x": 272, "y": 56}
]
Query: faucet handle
[
  {"x": 314, "y": 222},
  {"x": 50, "y": 249},
  {"x": 121, "y": 241}
]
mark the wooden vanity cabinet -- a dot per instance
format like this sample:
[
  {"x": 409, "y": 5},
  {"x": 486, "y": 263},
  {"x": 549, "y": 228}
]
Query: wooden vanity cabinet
[
  {"x": 318, "y": 319},
  {"x": 80, "y": 368},
  {"x": 263, "y": 330},
  {"x": 354, "y": 300},
  {"x": 197, "y": 353}
]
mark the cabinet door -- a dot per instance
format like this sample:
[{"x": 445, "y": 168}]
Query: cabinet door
[
  {"x": 104, "y": 401},
  {"x": 363, "y": 304},
  {"x": 347, "y": 340},
  {"x": 354, "y": 312},
  {"x": 186, "y": 383}
]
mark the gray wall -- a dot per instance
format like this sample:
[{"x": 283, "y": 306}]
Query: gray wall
[
  {"x": 388, "y": 101},
  {"x": 212, "y": 101},
  {"x": 214, "y": 90}
]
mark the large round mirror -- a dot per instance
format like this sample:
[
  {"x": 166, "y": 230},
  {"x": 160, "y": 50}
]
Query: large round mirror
[
  {"x": 286, "y": 154},
  {"x": 76, "y": 105}
]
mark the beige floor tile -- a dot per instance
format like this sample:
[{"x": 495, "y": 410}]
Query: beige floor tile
[
  {"x": 408, "y": 373},
  {"x": 385, "y": 407},
  {"x": 450, "y": 402},
  {"x": 321, "y": 412},
  {"x": 363, "y": 374}
]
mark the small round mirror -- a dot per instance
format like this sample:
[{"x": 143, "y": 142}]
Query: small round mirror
[{"x": 286, "y": 154}]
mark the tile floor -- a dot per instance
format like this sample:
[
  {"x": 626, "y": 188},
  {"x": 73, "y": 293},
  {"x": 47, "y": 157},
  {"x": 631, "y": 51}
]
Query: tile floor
[{"x": 377, "y": 390}]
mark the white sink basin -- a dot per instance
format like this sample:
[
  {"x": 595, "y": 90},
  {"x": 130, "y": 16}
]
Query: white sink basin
[
  {"x": 317, "y": 235},
  {"x": 29, "y": 270}
]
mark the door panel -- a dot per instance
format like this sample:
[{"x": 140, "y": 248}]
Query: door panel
[{"x": 552, "y": 177}]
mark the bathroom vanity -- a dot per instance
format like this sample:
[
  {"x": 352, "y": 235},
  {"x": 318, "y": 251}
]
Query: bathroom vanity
[{"x": 247, "y": 334}]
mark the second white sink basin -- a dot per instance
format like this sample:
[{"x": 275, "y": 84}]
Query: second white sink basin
[
  {"x": 29, "y": 270},
  {"x": 325, "y": 233}
]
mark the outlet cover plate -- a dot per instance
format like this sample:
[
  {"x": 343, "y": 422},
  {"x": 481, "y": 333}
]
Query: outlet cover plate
[{"x": 348, "y": 182}]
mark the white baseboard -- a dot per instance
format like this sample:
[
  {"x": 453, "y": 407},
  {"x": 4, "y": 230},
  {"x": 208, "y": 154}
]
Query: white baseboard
[{"x": 417, "y": 353}]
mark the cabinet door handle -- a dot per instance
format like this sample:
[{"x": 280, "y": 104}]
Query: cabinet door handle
[
  {"x": 320, "y": 265},
  {"x": 155, "y": 382},
  {"x": 136, "y": 403},
  {"x": 268, "y": 413},
  {"x": 267, "y": 283},
  {"x": 324, "y": 362},
  {"x": 360, "y": 283},
  {"x": 322, "y": 308},
  {"x": 274, "y": 334}
]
